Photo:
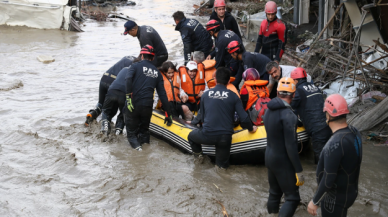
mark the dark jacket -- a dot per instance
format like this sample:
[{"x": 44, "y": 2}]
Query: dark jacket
[
  {"x": 308, "y": 104},
  {"x": 224, "y": 37},
  {"x": 272, "y": 39},
  {"x": 110, "y": 75},
  {"x": 194, "y": 37},
  {"x": 141, "y": 80},
  {"x": 119, "y": 83},
  {"x": 218, "y": 106},
  {"x": 338, "y": 169},
  {"x": 282, "y": 145},
  {"x": 148, "y": 35},
  {"x": 229, "y": 22},
  {"x": 257, "y": 61}
]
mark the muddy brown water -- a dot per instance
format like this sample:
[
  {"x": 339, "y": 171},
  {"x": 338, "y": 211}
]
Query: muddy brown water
[{"x": 51, "y": 165}]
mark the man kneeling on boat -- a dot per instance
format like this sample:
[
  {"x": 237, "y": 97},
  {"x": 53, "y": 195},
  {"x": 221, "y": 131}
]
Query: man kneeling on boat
[
  {"x": 172, "y": 86},
  {"x": 254, "y": 96},
  {"x": 218, "y": 106},
  {"x": 193, "y": 83}
]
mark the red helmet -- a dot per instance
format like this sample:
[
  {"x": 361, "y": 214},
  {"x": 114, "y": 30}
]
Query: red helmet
[
  {"x": 271, "y": 7},
  {"x": 213, "y": 25},
  {"x": 233, "y": 46},
  {"x": 298, "y": 73},
  {"x": 251, "y": 74},
  {"x": 147, "y": 49},
  {"x": 336, "y": 105},
  {"x": 219, "y": 3}
]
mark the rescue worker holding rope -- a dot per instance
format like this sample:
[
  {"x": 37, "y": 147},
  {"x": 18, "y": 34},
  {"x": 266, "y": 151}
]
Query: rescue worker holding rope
[
  {"x": 272, "y": 34},
  {"x": 339, "y": 165},
  {"x": 308, "y": 104},
  {"x": 141, "y": 80},
  {"x": 281, "y": 155}
]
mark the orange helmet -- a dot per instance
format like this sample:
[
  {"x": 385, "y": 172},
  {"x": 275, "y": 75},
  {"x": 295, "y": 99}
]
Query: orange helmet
[{"x": 286, "y": 85}]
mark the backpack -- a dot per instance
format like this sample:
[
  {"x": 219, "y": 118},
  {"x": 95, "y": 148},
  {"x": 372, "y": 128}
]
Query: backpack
[{"x": 257, "y": 111}]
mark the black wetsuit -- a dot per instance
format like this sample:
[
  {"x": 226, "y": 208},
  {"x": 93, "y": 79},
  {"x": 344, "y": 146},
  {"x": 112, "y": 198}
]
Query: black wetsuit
[
  {"x": 338, "y": 172},
  {"x": 281, "y": 157},
  {"x": 223, "y": 58},
  {"x": 148, "y": 35},
  {"x": 308, "y": 104},
  {"x": 194, "y": 37},
  {"x": 257, "y": 61},
  {"x": 141, "y": 80},
  {"x": 229, "y": 22},
  {"x": 218, "y": 106}
]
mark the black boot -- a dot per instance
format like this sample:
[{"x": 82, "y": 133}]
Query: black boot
[
  {"x": 93, "y": 114},
  {"x": 132, "y": 139}
]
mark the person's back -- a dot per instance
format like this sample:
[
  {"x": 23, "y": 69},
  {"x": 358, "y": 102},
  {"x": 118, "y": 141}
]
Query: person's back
[
  {"x": 257, "y": 61},
  {"x": 278, "y": 118},
  {"x": 145, "y": 77},
  {"x": 223, "y": 39},
  {"x": 147, "y": 34}
]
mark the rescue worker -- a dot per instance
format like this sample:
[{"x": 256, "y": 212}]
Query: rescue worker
[
  {"x": 276, "y": 72},
  {"x": 272, "y": 34},
  {"x": 249, "y": 59},
  {"x": 141, "y": 80},
  {"x": 226, "y": 20},
  {"x": 115, "y": 99},
  {"x": 194, "y": 35},
  {"x": 338, "y": 169},
  {"x": 223, "y": 58},
  {"x": 172, "y": 86},
  {"x": 252, "y": 90},
  {"x": 218, "y": 107},
  {"x": 107, "y": 78},
  {"x": 193, "y": 83},
  {"x": 281, "y": 155},
  {"x": 148, "y": 36},
  {"x": 308, "y": 103}
]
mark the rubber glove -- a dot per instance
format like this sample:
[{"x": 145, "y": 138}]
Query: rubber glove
[
  {"x": 299, "y": 179},
  {"x": 168, "y": 119},
  {"x": 129, "y": 102}
]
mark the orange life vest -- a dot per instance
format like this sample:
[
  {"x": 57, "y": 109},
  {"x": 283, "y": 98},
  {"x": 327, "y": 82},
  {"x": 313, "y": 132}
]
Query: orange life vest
[
  {"x": 192, "y": 87},
  {"x": 209, "y": 70},
  {"x": 255, "y": 90},
  {"x": 172, "y": 87}
]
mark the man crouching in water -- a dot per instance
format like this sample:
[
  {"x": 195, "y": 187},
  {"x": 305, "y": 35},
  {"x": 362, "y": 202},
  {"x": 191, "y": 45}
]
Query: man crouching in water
[
  {"x": 218, "y": 106},
  {"x": 281, "y": 154}
]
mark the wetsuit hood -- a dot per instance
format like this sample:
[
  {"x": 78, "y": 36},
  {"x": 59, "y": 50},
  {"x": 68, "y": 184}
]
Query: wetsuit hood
[
  {"x": 277, "y": 103},
  {"x": 179, "y": 25}
]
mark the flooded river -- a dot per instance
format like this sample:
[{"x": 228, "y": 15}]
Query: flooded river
[{"x": 51, "y": 165}]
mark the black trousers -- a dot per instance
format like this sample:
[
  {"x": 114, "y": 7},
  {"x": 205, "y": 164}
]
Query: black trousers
[
  {"x": 222, "y": 143},
  {"x": 282, "y": 182},
  {"x": 319, "y": 139},
  {"x": 114, "y": 100},
  {"x": 137, "y": 124},
  {"x": 159, "y": 60},
  {"x": 102, "y": 91},
  {"x": 330, "y": 206}
]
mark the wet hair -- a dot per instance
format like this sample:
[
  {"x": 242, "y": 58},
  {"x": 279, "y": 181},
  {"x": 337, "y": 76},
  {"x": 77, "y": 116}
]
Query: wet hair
[
  {"x": 137, "y": 59},
  {"x": 198, "y": 56},
  {"x": 285, "y": 95},
  {"x": 223, "y": 75},
  {"x": 148, "y": 57},
  {"x": 178, "y": 16},
  {"x": 167, "y": 65},
  {"x": 270, "y": 65}
]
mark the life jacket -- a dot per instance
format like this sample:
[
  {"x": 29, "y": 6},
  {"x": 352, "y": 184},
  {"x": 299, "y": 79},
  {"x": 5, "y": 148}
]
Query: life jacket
[
  {"x": 172, "y": 87},
  {"x": 209, "y": 70},
  {"x": 256, "y": 89},
  {"x": 229, "y": 86},
  {"x": 192, "y": 88}
]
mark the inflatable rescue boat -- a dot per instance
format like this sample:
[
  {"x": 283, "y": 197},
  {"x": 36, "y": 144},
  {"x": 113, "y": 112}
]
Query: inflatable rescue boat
[{"x": 247, "y": 148}]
